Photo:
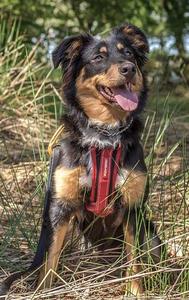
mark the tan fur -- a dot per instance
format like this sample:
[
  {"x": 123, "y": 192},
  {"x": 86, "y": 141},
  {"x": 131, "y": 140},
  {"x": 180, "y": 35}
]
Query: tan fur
[
  {"x": 134, "y": 287},
  {"x": 53, "y": 255},
  {"x": 101, "y": 112},
  {"x": 138, "y": 81},
  {"x": 136, "y": 39},
  {"x": 103, "y": 49},
  {"x": 93, "y": 103},
  {"x": 128, "y": 30},
  {"x": 73, "y": 49},
  {"x": 113, "y": 77},
  {"x": 120, "y": 46},
  {"x": 132, "y": 186},
  {"x": 66, "y": 182}
]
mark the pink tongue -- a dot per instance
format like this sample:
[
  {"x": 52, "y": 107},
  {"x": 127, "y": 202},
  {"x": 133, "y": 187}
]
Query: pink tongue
[{"x": 127, "y": 100}]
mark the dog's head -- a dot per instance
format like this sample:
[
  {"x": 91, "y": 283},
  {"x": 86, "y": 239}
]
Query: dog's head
[{"x": 104, "y": 77}]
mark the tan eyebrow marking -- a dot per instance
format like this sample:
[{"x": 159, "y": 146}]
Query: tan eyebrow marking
[
  {"x": 120, "y": 46},
  {"x": 103, "y": 49}
]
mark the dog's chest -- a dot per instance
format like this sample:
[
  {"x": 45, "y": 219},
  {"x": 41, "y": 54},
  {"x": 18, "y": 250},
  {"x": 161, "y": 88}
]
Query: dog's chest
[
  {"x": 106, "y": 144},
  {"x": 85, "y": 180},
  {"x": 101, "y": 139},
  {"x": 105, "y": 168}
]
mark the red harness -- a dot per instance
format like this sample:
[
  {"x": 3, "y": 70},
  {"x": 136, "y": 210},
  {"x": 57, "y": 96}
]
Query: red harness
[{"x": 105, "y": 164}]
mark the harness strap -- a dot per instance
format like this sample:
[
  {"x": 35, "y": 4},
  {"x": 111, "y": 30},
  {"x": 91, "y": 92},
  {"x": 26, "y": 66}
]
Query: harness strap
[
  {"x": 57, "y": 136},
  {"x": 105, "y": 164}
]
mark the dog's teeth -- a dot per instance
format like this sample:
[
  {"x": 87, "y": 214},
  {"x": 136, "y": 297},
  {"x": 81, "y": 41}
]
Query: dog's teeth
[
  {"x": 128, "y": 85},
  {"x": 106, "y": 90}
]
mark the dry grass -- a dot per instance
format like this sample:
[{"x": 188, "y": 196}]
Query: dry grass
[{"x": 29, "y": 112}]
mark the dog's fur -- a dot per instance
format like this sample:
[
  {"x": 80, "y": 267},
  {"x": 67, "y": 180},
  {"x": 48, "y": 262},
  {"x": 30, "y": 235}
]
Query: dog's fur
[{"x": 91, "y": 120}]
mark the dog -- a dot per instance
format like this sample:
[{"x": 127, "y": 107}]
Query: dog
[{"x": 104, "y": 91}]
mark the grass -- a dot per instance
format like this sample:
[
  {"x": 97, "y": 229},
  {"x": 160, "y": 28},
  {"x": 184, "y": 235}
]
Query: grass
[{"x": 30, "y": 109}]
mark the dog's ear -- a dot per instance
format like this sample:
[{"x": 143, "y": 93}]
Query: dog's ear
[
  {"x": 135, "y": 36},
  {"x": 69, "y": 49}
]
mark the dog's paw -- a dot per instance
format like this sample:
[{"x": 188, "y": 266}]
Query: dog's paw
[{"x": 134, "y": 290}]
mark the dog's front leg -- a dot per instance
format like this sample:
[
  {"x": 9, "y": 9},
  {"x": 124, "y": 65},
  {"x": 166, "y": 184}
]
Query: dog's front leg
[
  {"x": 65, "y": 204},
  {"x": 134, "y": 286},
  {"x": 132, "y": 190},
  {"x": 53, "y": 254}
]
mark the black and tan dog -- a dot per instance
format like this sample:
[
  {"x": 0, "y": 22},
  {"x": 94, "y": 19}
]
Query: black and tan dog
[{"x": 104, "y": 91}]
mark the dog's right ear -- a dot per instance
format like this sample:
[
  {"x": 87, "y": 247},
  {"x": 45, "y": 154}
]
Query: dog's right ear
[{"x": 69, "y": 49}]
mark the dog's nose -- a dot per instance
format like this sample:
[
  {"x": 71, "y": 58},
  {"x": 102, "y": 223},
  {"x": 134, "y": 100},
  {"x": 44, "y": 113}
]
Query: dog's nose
[{"x": 128, "y": 70}]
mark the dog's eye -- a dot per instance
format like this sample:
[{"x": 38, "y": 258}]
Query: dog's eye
[
  {"x": 97, "y": 58},
  {"x": 128, "y": 53}
]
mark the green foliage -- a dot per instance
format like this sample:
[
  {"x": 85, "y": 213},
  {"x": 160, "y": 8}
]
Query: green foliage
[
  {"x": 157, "y": 18},
  {"x": 165, "y": 22},
  {"x": 177, "y": 21}
]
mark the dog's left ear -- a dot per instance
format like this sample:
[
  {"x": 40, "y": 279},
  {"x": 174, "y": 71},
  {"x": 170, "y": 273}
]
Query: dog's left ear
[
  {"x": 69, "y": 49},
  {"x": 135, "y": 36}
]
